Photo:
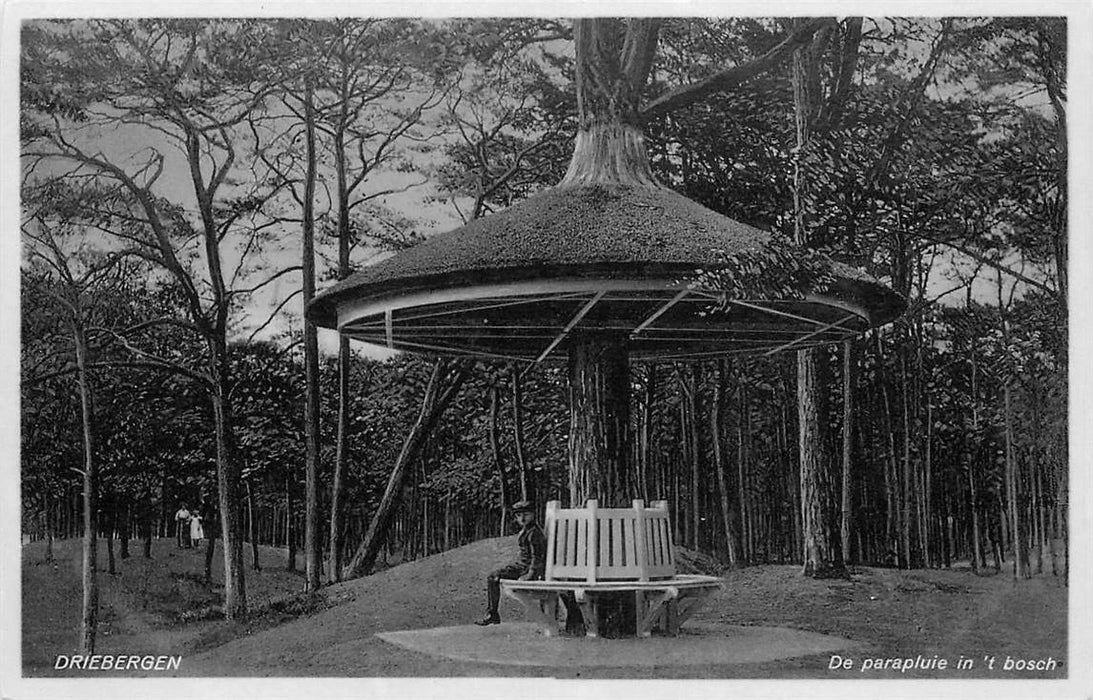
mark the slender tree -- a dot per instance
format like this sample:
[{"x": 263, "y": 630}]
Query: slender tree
[
  {"x": 717, "y": 431},
  {"x": 444, "y": 382},
  {"x": 172, "y": 78},
  {"x": 72, "y": 291},
  {"x": 312, "y": 535}
]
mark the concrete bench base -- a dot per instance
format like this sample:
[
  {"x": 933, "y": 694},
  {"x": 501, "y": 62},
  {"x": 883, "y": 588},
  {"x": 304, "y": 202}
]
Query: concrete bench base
[{"x": 663, "y": 604}]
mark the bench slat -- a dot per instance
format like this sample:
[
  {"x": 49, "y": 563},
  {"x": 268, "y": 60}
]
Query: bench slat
[
  {"x": 592, "y": 526},
  {"x": 606, "y": 527},
  {"x": 552, "y": 541},
  {"x": 626, "y": 534},
  {"x": 595, "y": 543},
  {"x": 637, "y": 526}
]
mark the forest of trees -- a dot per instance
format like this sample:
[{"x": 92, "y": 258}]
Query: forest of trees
[{"x": 182, "y": 176}]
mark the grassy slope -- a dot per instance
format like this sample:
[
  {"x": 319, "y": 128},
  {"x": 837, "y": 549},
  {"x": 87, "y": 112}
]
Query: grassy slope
[
  {"x": 893, "y": 613},
  {"x": 152, "y": 606}
]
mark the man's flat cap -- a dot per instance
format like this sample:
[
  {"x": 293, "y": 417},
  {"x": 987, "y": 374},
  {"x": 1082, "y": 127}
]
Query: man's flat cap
[{"x": 523, "y": 507}]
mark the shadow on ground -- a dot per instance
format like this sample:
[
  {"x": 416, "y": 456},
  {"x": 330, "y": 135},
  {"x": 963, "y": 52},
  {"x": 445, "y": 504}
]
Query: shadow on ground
[{"x": 698, "y": 644}]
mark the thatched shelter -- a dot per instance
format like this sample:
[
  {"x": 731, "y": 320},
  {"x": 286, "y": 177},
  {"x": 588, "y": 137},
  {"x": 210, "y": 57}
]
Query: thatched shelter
[
  {"x": 592, "y": 258},
  {"x": 606, "y": 266},
  {"x": 611, "y": 265}
]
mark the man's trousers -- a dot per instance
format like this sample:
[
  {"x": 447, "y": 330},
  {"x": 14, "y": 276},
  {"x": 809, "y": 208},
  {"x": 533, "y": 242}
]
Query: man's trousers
[{"x": 493, "y": 583}]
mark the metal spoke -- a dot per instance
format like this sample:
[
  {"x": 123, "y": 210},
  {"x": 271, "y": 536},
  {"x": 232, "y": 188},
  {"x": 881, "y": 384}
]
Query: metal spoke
[
  {"x": 657, "y": 314},
  {"x": 796, "y": 341},
  {"x": 571, "y": 325}
]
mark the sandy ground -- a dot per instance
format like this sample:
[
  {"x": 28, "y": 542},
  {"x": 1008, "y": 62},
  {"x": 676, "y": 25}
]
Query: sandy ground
[
  {"x": 884, "y": 613},
  {"x": 698, "y": 644}
]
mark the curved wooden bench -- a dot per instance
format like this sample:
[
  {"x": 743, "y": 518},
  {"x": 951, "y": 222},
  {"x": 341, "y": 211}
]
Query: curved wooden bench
[
  {"x": 665, "y": 604},
  {"x": 593, "y": 551}
]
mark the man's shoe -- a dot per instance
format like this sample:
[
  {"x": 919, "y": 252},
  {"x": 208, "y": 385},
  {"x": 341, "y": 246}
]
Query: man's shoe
[{"x": 489, "y": 619}]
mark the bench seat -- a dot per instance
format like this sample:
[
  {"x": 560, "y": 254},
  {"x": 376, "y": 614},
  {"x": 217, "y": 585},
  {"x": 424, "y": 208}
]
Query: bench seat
[
  {"x": 595, "y": 552},
  {"x": 663, "y": 604}
]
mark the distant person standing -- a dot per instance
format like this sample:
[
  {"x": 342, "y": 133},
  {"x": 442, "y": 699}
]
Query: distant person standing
[
  {"x": 197, "y": 533},
  {"x": 182, "y": 529}
]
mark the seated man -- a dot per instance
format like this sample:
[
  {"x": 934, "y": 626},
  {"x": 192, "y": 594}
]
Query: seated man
[{"x": 530, "y": 566}]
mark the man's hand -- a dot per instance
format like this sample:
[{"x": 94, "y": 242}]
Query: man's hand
[{"x": 525, "y": 577}]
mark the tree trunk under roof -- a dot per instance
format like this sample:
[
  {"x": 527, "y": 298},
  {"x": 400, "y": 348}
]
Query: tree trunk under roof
[
  {"x": 613, "y": 60},
  {"x": 599, "y": 421}
]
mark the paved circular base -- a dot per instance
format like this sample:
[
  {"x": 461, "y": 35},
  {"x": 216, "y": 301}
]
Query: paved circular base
[{"x": 521, "y": 644}]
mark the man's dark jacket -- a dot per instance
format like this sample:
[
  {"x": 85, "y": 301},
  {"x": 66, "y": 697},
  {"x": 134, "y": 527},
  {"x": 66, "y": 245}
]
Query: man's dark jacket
[{"x": 532, "y": 543}]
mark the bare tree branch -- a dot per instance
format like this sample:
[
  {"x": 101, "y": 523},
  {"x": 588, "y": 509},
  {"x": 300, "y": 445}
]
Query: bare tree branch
[
  {"x": 731, "y": 77},
  {"x": 990, "y": 262},
  {"x": 273, "y": 314},
  {"x": 279, "y": 273}
]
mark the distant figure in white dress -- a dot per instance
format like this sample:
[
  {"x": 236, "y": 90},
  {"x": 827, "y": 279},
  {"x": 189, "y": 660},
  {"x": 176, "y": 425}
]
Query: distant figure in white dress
[{"x": 197, "y": 533}]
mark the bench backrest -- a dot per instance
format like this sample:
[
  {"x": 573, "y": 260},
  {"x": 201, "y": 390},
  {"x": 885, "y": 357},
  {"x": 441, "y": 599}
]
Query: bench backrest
[{"x": 603, "y": 544}]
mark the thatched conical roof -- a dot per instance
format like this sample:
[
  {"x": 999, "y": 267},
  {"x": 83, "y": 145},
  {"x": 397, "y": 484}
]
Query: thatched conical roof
[{"x": 512, "y": 283}]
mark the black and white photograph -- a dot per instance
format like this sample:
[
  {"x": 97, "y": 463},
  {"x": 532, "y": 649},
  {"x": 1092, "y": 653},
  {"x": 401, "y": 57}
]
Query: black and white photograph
[{"x": 593, "y": 350}]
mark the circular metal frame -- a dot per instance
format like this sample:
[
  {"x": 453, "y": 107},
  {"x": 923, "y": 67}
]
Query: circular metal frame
[{"x": 532, "y": 320}]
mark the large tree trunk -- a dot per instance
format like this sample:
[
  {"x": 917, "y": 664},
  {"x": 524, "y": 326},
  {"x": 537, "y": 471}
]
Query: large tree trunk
[
  {"x": 822, "y": 543},
  {"x": 599, "y": 448},
  {"x": 599, "y": 415},
  {"x": 613, "y": 59},
  {"x": 443, "y": 386},
  {"x": 613, "y": 63},
  {"x": 312, "y": 545}
]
